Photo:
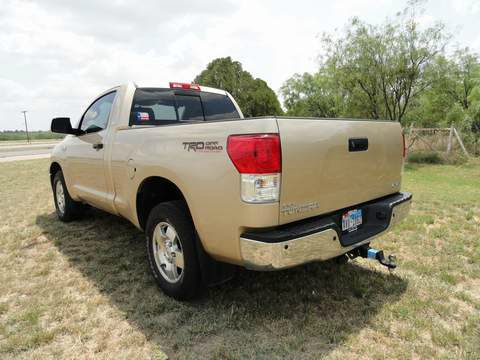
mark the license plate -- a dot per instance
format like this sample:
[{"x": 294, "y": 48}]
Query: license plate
[{"x": 351, "y": 220}]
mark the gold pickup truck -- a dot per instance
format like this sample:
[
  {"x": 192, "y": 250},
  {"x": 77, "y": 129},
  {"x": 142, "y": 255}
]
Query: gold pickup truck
[{"x": 213, "y": 190}]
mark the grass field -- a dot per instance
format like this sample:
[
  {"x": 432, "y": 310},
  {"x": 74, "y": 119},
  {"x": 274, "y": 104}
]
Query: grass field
[
  {"x": 33, "y": 135},
  {"x": 83, "y": 290}
]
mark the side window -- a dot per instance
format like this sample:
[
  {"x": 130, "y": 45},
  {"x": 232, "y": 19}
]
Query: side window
[
  {"x": 96, "y": 116},
  {"x": 218, "y": 106}
]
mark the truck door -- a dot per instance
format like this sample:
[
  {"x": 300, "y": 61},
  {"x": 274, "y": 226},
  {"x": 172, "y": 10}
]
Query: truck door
[{"x": 86, "y": 154}]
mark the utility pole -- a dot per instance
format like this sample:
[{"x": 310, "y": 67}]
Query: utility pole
[{"x": 26, "y": 127}]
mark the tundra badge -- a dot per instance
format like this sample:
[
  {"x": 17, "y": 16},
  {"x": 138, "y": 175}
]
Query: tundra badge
[{"x": 290, "y": 209}]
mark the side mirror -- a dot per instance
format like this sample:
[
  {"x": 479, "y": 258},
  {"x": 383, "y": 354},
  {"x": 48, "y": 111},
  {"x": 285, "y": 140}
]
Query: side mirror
[{"x": 62, "y": 125}]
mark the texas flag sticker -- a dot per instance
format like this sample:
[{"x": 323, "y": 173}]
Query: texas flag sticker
[{"x": 142, "y": 116}]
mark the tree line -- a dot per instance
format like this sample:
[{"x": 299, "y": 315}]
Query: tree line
[
  {"x": 397, "y": 70},
  {"x": 10, "y": 135}
]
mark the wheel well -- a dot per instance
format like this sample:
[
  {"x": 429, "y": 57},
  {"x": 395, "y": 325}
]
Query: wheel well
[
  {"x": 54, "y": 168},
  {"x": 153, "y": 191}
]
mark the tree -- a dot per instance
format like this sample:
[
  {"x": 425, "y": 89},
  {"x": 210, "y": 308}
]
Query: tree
[
  {"x": 383, "y": 66},
  {"x": 312, "y": 95},
  {"x": 374, "y": 71},
  {"x": 454, "y": 84},
  {"x": 254, "y": 96},
  {"x": 468, "y": 76}
]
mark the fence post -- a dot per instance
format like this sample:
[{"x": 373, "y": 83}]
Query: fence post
[
  {"x": 450, "y": 138},
  {"x": 460, "y": 141}
]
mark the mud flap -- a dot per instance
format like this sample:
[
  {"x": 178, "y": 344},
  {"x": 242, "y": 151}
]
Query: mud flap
[{"x": 213, "y": 272}]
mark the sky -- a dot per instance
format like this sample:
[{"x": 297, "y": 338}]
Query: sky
[{"x": 57, "y": 55}]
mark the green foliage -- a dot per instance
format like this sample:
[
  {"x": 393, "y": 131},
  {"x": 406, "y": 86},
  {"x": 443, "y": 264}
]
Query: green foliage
[
  {"x": 474, "y": 119},
  {"x": 396, "y": 70},
  {"x": 453, "y": 92},
  {"x": 455, "y": 114},
  {"x": 253, "y": 96},
  {"x": 312, "y": 95},
  {"x": 8, "y": 135},
  {"x": 425, "y": 157},
  {"x": 369, "y": 71},
  {"x": 433, "y": 157}
]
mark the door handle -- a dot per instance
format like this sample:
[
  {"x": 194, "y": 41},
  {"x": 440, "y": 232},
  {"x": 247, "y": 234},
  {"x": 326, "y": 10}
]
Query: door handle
[
  {"x": 357, "y": 144},
  {"x": 97, "y": 146}
]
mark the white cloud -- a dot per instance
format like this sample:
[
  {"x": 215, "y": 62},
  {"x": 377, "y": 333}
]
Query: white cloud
[
  {"x": 56, "y": 55},
  {"x": 466, "y": 7}
]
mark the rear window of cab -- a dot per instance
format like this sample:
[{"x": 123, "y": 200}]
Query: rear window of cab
[{"x": 152, "y": 106}]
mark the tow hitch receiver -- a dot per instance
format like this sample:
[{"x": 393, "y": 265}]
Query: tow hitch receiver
[{"x": 370, "y": 253}]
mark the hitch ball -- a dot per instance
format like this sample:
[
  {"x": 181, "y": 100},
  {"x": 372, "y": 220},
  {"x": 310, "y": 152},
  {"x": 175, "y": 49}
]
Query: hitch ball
[{"x": 371, "y": 253}]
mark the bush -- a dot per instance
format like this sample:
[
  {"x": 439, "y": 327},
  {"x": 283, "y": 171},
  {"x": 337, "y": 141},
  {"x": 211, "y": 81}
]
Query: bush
[
  {"x": 425, "y": 157},
  {"x": 432, "y": 157},
  {"x": 456, "y": 158}
]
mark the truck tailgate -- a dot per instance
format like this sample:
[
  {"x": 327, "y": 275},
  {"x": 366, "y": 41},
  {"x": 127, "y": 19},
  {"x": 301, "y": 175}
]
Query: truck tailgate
[{"x": 325, "y": 166}]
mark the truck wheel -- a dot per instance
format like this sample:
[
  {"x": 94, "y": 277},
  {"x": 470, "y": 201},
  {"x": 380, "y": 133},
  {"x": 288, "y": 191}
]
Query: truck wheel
[
  {"x": 171, "y": 250},
  {"x": 67, "y": 209}
]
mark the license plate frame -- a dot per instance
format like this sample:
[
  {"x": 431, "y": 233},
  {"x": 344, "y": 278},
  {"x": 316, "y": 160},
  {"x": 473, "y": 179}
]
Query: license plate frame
[{"x": 352, "y": 220}]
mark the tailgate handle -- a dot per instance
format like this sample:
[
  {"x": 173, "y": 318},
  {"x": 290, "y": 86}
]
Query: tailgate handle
[{"x": 357, "y": 144}]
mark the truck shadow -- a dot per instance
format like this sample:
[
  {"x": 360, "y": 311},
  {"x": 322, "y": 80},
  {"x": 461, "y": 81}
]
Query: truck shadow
[{"x": 302, "y": 312}]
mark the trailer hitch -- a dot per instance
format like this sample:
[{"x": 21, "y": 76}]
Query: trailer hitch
[{"x": 367, "y": 252}]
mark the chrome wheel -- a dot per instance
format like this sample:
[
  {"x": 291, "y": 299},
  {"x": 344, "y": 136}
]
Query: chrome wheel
[
  {"x": 60, "y": 197},
  {"x": 168, "y": 252}
]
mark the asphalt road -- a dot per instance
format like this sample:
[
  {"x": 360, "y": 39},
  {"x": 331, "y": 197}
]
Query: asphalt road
[{"x": 15, "y": 152}]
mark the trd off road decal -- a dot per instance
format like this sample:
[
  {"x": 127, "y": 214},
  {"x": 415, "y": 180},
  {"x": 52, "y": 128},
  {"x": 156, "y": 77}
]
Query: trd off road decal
[{"x": 202, "y": 146}]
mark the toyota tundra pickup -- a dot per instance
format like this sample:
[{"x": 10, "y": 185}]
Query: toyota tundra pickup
[{"x": 213, "y": 190}]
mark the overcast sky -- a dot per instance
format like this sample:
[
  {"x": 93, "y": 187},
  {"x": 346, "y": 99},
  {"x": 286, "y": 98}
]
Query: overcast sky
[{"x": 56, "y": 55}]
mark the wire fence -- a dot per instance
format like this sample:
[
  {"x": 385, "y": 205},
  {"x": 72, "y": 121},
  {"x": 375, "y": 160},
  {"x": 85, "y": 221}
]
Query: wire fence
[{"x": 447, "y": 141}]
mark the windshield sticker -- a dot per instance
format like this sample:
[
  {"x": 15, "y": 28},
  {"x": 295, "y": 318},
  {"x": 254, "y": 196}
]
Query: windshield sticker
[{"x": 142, "y": 116}]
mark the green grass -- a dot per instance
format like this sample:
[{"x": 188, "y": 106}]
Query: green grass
[
  {"x": 33, "y": 135},
  {"x": 83, "y": 289}
]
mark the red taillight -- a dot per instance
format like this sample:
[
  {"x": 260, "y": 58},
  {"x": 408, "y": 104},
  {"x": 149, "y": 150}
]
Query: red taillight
[
  {"x": 404, "y": 146},
  {"x": 255, "y": 154},
  {"x": 184, "y": 86}
]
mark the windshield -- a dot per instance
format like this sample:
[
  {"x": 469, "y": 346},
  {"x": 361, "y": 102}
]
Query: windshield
[{"x": 152, "y": 106}]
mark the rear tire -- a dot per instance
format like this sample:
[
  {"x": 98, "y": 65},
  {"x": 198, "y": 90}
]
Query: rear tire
[
  {"x": 66, "y": 208},
  {"x": 171, "y": 252}
]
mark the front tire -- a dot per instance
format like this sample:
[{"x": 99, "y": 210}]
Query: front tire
[
  {"x": 171, "y": 252},
  {"x": 66, "y": 208}
]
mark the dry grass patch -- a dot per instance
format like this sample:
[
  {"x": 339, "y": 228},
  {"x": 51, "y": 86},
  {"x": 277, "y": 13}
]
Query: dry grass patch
[{"x": 82, "y": 290}]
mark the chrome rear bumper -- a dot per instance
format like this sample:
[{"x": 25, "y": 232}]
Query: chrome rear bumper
[{"x": 263, "y": 252}]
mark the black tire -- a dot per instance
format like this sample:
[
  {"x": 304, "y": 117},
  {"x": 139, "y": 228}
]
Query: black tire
[
  {"x": 71, "y": 209},
  {"x": 175, "y": 214}
]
